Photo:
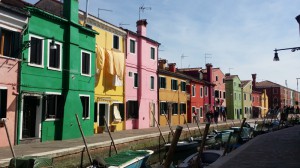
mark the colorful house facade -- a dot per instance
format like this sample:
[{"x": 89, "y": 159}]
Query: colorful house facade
[
  {"x": 141, "y": 78},
  {"x": 246, "y": 86},
  {"x": 109, "y": 76},
  {"x": 233, "y": 96},
  {"x": 209, "y": 103},
  {"x": 57, "y": 75},
  {"x": 12, "y": 21},
  {"x": 172, "y": 94},
  {"x": 198, "y": 91}
]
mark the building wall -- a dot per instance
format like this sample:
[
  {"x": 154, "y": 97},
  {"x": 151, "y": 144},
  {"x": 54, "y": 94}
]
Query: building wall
[
  {"x": 234, "y": 98},
  {"x": 196, "y": 101},
  {"x": 218, "y": 80},
  {"x": 106, "y": 91},
  {"x": 170, "y": 96},
  {"x": 247, "y": 103},
  {"x": 9, "y": 82},
  {"x": 141, "y": 63}
]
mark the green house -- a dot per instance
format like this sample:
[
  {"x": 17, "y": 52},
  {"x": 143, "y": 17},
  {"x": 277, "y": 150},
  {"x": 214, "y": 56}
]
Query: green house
[
  {"x": 57, "y": 76},
  {"x": 233, "y": 97}
]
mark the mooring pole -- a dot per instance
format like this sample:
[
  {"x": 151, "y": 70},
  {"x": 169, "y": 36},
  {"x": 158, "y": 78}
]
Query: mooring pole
[
  {"x": 112, "y": 140},
  {"x": 240, "y": 131},
  {"x": 198, "y": 127},
  {"x": 87, "y": 150},
  {"x": 198, "y": 162},
  {"x": 158, "y": 127},
  {"x": 172, "y": 148},
  {"x": 8, "y": 138},
  {"x": 172, "y": 132},
  {"x": 187, "y": 127},
  {"x": 227, "y": 145}
]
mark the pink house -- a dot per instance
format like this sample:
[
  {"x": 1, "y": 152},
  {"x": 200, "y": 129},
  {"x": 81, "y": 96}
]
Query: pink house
[
  {"x": 141, "y": 79},
  {"x": 12, "y": 23}
]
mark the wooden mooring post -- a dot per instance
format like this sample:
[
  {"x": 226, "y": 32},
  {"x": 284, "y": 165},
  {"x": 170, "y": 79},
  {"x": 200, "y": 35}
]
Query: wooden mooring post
[
  {"x": 172, "y": 148},
  {"x": 112, "y": 140}
]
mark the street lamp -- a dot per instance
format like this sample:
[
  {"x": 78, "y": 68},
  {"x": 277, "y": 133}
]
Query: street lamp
[{"x": 276, "y": 58}]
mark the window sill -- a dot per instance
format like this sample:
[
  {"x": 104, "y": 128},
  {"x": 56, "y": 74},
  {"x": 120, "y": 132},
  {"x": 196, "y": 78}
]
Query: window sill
[
  {"x": 54, "y": 69},
  {"x": 86, "y": 118},
  {"x": 36, "y": 65},
  {"x": 52, "y": 119},
  {"x": 87, "y": 75}
]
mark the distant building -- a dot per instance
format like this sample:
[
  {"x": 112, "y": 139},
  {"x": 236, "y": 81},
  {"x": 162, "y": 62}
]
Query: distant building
[
  {"x": 246, "y": 99},
  {"x": 233, "y": 97}
]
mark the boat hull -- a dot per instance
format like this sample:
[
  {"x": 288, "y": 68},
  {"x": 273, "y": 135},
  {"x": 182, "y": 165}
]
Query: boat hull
[{"x": 207, "y": 158}]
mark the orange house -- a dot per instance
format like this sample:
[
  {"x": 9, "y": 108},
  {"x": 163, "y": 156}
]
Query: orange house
[{"x": 173, "y": 96}]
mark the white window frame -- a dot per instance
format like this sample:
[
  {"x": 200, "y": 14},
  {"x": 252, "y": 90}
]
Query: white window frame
[
  {"x": 135, "y": 46},
  {"x": 52, "y": 93},
  {"x": 29, "y": 49},
  {"x": 134, "y": 80},
  {"x": 84, "y": 95},
  {"x": 154, "y": 53},
  {"x": 201, "y": 111},
  {"x": 60, "y": 55},
  {"x": 201, "y": 91},
  {"x": 84, "y": 51},
  {"x": 193, "y": 90}
]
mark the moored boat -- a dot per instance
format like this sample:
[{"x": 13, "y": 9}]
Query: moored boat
[
  {"x": 207, "y": 158},
  {"x": 126, "y": 159}
]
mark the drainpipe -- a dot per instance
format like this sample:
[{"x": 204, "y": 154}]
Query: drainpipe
[{"x": 124, "y": 79}]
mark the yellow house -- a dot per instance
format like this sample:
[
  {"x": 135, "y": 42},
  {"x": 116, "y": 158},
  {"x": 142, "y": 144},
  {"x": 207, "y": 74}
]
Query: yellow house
[
  {"x": 172, "y": 95},
  {"x": 109, "y": 76},
  {"x": 247, "y": 98}
]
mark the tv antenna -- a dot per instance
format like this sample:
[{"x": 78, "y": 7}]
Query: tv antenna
[
  {"x": 229, "y": 69},
  {"x": 205, "y": 56},
  {"x": 141, "y": 9},
  {"x": 99, "y": 9},
  {"x": 123, "y": 24},
  {"x": 182, "y": 56}
]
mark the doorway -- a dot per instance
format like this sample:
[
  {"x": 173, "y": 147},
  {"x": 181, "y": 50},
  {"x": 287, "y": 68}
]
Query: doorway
[
  {"x": 152, "y": 114},
  {"x": 31, "y": 117}
]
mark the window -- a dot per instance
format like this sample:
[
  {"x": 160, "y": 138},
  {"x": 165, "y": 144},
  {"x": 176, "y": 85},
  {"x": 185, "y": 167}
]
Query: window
[
  {"x": 275, "y": 91},
  {"x": 136, "y": 80},
  {"x": 217, "y": 78},
  {"x": 182, "y": 108},
  {"x": 54, "y": 56},
  {"x": 201, "y": 91},
  {"x": 224, "y": 97},
  {"x": 3, "y": 103},
  {"x": 9, "y": 43},
  {"x": 175, "y": 108},
  {"x": 54, "y": 106},
  {"x": 206, "y": 91},
  {"x": 201, "y": 112},
  {"x": 183, "y": 86},
  {"x": 116, "y": 42},
  {"x": 152, "y": 82},
  {"x": 245, "y": 96},
  {"x": 85, "y": 102},
  {"x": 163, "y": 106},
  {"x": 36, "y": 55},
  {"x": 234, "y": 96},
  {"x": 216, "y": 93},
  {"x": 239, "y": 96},
  {"x": 85, "y": 63},
  {"x": 162, "y": 82},
  {"x": 193, "y": 90},
  {"x": 220, "y": 94},
  {"x": 250, "y": 97},
  {"x": 132, "y": 110},
  {"x": 152, "y": 53},
  {"x": 130, "y": 74},
  {"x": 132, "y": 46},
  {"x": 174, "y": 85}
]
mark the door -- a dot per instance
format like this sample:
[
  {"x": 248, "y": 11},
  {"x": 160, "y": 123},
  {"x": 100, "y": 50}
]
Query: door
[
  {"x": 30, "y": 119},
  {"x": 102, "y": 111},
  {"x": 152, "y": 114}
]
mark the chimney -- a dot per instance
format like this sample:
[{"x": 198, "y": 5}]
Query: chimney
[
  {"x": 71, "y": 10},
  {"x": 162, "y": 64},
  {"x": 141, "y": 27},
  {"x": 172, "y": 67},
  {"x": 209, "y": 72},
  {"x": 227, "y": 74},
  {"x": 253, "y": 80}
]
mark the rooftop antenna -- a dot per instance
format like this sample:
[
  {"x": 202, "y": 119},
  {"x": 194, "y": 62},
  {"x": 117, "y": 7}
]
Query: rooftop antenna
[
  {"x": 99, "y": 9},
  {"x": 229, "y": 69},
  {"x": 142, "y": 8},
  {"x": 182, "y": 56},
  {"x": 205, "y": 56},
  {"x": 297, "y": 83},
  {"x": 123, "y": 24}
]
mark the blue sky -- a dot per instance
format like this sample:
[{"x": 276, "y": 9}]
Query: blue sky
[{"x": 238, "y": 35}]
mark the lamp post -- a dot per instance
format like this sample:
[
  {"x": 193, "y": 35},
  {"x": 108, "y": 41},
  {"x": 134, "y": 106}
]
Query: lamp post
[{"x": 293, "y": 49}]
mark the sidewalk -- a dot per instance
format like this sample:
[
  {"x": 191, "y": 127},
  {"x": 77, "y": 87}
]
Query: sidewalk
[
  {"x": 276, "y": 149},
  {"x": 58, "y": 148}
]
